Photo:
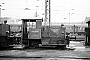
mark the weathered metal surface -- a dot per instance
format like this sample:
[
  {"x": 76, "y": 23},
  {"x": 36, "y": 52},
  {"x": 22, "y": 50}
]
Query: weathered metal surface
[
  {"x": 53, "y": 31},
  {"x": 4, "y": 28},
  {"x": 38, "y": 24},
  {"x": 53, "y": 35},
  {"x": 45, "y": 31},
  {"x": 34, "y": 34}
]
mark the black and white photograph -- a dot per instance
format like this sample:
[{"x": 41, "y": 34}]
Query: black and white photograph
[{"x": 44, "y": 29}]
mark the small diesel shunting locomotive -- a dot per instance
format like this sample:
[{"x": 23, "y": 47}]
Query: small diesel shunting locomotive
[{"x": 35, "y": 35}]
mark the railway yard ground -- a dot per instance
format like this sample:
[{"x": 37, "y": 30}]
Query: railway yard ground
[{"x": 76, "y": 51}]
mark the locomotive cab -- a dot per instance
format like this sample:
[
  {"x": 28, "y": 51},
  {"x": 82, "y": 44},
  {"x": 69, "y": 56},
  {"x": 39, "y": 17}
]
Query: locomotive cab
[{"x": 31, "y": 32}]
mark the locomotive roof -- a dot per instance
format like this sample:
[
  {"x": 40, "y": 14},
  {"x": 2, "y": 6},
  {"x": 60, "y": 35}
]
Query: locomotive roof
[{"x": 31, "y": 20}]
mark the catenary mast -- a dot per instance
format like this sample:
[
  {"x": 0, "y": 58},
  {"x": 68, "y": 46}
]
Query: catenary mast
[{"x": 47, "y": 13}]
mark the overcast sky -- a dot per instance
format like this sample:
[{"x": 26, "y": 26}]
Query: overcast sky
[{"x": 61, "y": 10}]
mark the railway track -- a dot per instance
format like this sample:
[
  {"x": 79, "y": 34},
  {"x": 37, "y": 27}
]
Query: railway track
[{"x": 42, "y": 58}]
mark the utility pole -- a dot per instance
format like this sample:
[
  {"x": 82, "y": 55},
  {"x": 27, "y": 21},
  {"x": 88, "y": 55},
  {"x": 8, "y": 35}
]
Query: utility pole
[
  {"x": 0, "y": 13},
  {"x": 1, "y": 10},
  {"x": 74, "y": 29}
]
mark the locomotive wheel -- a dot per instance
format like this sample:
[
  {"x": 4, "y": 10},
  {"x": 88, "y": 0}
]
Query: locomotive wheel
[
  {"x": 61, "y": 47},
  {"x": 34, "y": 45}
]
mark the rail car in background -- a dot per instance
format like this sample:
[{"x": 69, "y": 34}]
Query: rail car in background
[
  {"x": 15, "y": 34},
  {"x": 35, "y": 35},
  {"x": 15, "y": 27}
]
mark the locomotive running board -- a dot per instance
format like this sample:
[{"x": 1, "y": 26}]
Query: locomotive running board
[{"x": 54, "y": 45}]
